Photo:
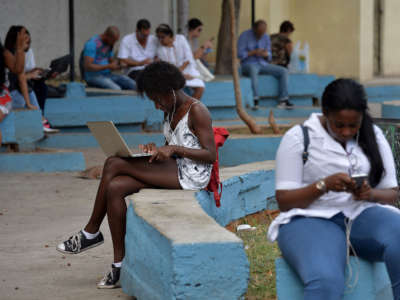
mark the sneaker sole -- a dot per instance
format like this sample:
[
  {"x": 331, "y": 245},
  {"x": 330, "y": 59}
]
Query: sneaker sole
[
  {"x": 108, "y": 287},
  {"x": 87, "y": 248}
]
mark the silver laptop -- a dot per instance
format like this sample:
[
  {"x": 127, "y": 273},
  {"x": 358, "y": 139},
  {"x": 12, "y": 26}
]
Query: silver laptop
[{"x": 110, "y": 140}]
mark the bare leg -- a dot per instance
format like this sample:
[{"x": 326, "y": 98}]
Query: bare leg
[
  {"x": 198, "y": 92},
  {"x": 118, "y": 189},
  {"x": 122, "y": 177}
]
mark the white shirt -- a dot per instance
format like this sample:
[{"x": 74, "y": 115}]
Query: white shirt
[
  {"x": 179, "y": 53},
  {"x": 131, "y": 48},
  {"x": 326, "y": 157},
  {"x": 30, "y": 63}
]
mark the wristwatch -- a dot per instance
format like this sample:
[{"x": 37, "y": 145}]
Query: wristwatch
[{"x": 321, "y": 186}]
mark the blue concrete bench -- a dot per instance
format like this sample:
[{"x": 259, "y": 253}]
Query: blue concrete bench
[
  {"x": 177, "y": 250},
  {"x": 391, "y": 109},
  {"x": 22, "y": 127},
  {"x": 373, "y": 282}
]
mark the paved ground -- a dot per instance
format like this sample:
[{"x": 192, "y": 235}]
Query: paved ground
[{"x": 36, "y": 212}]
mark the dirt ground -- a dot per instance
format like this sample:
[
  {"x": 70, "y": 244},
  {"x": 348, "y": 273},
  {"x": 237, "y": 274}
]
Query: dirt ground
[{"x": 37, "y": 211}]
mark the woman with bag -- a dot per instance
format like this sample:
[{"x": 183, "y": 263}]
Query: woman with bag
[{"x": 325, "y": 208}]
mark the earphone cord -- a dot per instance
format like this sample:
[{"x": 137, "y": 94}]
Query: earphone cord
[
  {"x": 348, "y": 224},
  {"x": 173, "y": 111}
]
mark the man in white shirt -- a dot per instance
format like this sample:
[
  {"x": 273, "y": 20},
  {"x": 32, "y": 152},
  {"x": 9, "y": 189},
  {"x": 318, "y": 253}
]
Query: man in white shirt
[{"x": 138, "y": 49}]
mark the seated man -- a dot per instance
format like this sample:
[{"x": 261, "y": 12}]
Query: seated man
[
  {"x": 282, "y": 45},
  {"x": 138, "y": 49},
  {"x": 254, "y": 52},
  {"x": 99, "y": 62}
]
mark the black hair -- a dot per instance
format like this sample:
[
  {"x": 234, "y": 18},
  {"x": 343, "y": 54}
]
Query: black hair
[
  {"x": 286, "y": 26},
  {"x": 143, "y": 24},
  {"x": 348, "y": 94},
  {"x": 11, "y": 37},
  {"x": 193, "y": 24},
  {"x": 258, "y": 23},
  {"x": 166, "y": 29},
  {"x": 160, "y": 78}
]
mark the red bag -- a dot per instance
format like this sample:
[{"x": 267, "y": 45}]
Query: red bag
[
  {"x": 215, "y": 185},
  {"x": 5, "y": 96}
]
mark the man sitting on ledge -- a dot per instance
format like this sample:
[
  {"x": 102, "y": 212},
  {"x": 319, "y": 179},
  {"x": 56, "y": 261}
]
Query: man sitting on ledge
[
  {"x": 254, "y": 52},
  {"x": 99, "y": 62}
]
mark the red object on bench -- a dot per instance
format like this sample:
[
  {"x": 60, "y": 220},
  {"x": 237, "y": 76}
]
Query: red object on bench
[{"x": 215, "y": 185}]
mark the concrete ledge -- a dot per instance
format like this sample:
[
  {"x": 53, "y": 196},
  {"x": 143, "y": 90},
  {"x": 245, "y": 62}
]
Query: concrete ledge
[
  {"x": 42, "y": 162},
  {"x": 246, "y": 189},
  {"x": 382, "y": 93},
  {"x": 174, "y": 250},
  {"x": 391, "y": 109},
  {"x": 241, "y": 149},
  {"x": 373, "y": 282},
  {"x": 23, "y": 127}
]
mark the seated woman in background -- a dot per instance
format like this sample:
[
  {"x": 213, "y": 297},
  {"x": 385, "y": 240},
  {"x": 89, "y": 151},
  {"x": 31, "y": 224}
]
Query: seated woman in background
[
  {"x": 185, "y": 162},
  {"x": 15, "y": 63},
  {"x": 21, "y": 89},
  {"x": 324, "y": 211},
  {"x": 195, "y": 27},
  {"x": 176, "y": 50}
]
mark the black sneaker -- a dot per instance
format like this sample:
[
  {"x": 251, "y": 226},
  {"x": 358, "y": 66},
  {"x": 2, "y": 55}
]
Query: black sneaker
[
  {"x": 79, "y": 243},
  {"x": 285, "y": 104},
  {"x": 111, "y": 279}
]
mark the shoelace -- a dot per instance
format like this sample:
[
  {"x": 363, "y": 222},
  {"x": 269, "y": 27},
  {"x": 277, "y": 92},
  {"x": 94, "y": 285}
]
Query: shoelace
[
  {"x": 74, "y": 242},
  {"x": 108, "y": 277}
]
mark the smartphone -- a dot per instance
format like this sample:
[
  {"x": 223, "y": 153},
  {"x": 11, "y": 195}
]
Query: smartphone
[{"x": 359, "y": 179}]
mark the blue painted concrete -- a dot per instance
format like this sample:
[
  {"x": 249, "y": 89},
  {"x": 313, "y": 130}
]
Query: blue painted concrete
[
  {"x": 78, "y": 111},
  {"x": 22, "y": 127},
  {"x": 373, "y": 282},
  {"x": 42, "y": 162},
  {"x": 383, "y": 93},
  {"x": 157, "y": 268},
  {"x": 229, "y": 113},
  {"x": 77, "y": 108},
  {"x": 297, "y": 101},
  {"x": 221, "y": 93},
  {"x": 238, "y": 151},
  {"x": 391, "y": 110},
  {"x": 229, "y": 123},
  {"x": 298, "y": 85},
  {"x": 82, "y": 140},
  {"x": 242, "y": 195}
]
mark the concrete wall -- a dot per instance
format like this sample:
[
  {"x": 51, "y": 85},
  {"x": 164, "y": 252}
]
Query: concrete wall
[
  {"x": 47, "y": 21},
  {"x": 332, "y": 30},
  {"x": 391, "y": 37}
]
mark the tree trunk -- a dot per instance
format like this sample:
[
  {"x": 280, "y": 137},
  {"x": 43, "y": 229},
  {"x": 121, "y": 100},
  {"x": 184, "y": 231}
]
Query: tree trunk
[
  {"x": 254, "y": 128},
  {"x": 224, "y": 49},
  {"x": 183, "y": 15}
]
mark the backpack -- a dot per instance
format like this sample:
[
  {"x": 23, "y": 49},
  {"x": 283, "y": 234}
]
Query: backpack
[{"x": 215, "y": 185}]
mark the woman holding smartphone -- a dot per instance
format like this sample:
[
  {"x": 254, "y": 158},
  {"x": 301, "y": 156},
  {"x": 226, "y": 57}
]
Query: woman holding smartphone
[{"x": 323, "y": 210}]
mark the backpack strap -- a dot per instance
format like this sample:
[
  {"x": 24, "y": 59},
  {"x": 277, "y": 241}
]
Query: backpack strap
[{"x": 306, "y": 142}]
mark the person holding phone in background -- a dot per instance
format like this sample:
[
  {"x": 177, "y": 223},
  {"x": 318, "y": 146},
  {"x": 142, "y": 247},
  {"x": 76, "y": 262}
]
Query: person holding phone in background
[
  {"x": 195, "y": 28},
  {"x": 323, "y": 209}
]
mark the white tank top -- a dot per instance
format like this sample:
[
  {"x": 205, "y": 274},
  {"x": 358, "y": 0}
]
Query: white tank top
[{"x": 193, "y": 175}]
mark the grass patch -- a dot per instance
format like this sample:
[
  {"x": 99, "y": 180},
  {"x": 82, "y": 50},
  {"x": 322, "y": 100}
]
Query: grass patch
[{"x": 261, "y": 254}]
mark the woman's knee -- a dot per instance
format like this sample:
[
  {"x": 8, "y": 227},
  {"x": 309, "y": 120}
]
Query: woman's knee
[
  {"x": 326, "y": 281},
  {"x": 119, "y": 188},
  {"x": 111, "y": 164}
]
